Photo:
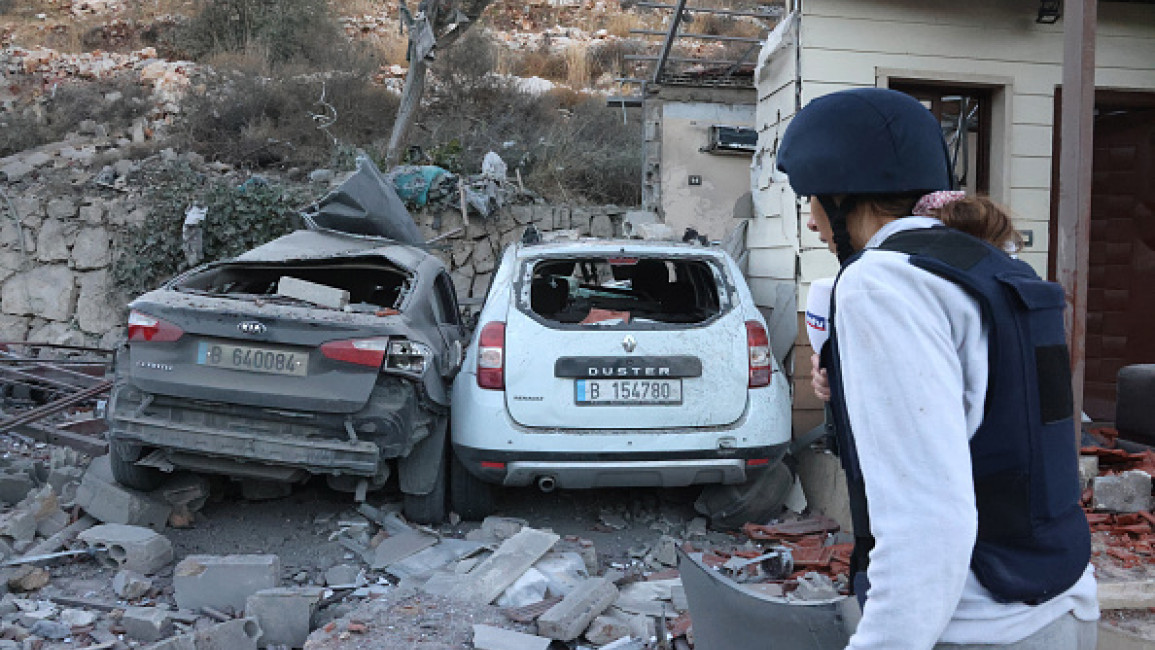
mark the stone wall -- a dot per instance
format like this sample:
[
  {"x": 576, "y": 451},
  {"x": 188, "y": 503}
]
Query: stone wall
[
  {"x": 56, "y": 254},
  {"x": 473, "y": 250}
]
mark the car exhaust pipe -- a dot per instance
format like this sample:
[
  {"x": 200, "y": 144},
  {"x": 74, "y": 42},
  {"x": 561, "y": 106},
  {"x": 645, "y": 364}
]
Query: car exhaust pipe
[{"x": 546, "y": 484}]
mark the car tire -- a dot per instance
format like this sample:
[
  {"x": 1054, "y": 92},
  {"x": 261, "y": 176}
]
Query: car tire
[
  {"x": 428, "y": 509},
  {"x": 128, "y": 473},
  {"x": 471, "y": 497}
]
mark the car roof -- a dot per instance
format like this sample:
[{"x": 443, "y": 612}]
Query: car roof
[
  {"x": 322, "y": 244},
  {"x": 641, "y": 247}
]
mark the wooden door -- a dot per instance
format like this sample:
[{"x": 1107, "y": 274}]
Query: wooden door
[{"x": 1121, "y": 282}]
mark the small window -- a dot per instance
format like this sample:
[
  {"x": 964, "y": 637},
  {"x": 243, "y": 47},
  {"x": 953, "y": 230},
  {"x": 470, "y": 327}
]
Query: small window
[
  {"x": 609, "y": 291},
  {"x": 965, "y": 115},
  {"x": 732, "y": 140}
]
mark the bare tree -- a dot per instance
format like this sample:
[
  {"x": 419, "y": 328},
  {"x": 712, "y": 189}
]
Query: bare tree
[{"x": 437, "y": 24}]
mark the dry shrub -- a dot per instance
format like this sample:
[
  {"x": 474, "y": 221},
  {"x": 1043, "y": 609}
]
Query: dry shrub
[
  {"x": 114, "y": 102},
  {"x": 542, "y": 63},
  {"x": 609, "y": 57},
  {"x": 243, "y": 117},
  {"x": 285, "y": 31},
  {"x": 577, "y": 59},
  {"x": 620, "y": 24}
]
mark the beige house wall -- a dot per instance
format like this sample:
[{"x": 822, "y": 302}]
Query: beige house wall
[
  {"x": 839, "y": 44},
  {"x": 708, "y": 207}
]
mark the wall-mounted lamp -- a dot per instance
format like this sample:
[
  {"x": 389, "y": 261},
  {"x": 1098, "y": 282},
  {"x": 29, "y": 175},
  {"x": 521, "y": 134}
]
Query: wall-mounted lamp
[{"x": 1049, "y": 12}]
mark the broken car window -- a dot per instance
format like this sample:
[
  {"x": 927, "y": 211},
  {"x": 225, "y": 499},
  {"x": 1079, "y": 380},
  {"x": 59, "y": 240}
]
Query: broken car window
[
  {"x": 607, "y": 291},
  {"x": 371, "y": 286}
]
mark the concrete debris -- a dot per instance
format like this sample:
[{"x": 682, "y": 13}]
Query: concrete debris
[
  {"x": 344, "y": 574},
  {"x": 1088, "y": 470},
  {"x": 607, "y": 629},
  {"x": 146, "y": 623},
  {"x": 516, "y": 555},
  {"x": 284, "y": 614},
  {"x": 487, "y": 637},
  {"x": 223, "y": 581},
  {"x": 134, "y": 548},
  {"x": 530, "y": 588},
  {"x": 130, "y": 585},
  {"x": 814, "y": 586},
  {"x": 563, "y": 571},
  {"x": 237, "y": 634},
  {"x": 569, "y": 618},
  {"x": 398, "y": 547},
  {"x": 1129, "y": 491},
  {"x": 102, "y": 497},
  {"x": 27, "y": 578}
]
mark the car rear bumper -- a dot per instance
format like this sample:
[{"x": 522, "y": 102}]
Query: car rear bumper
[
  {"x": 580, "y": 471},
  {"x": 237, "y": 436}
]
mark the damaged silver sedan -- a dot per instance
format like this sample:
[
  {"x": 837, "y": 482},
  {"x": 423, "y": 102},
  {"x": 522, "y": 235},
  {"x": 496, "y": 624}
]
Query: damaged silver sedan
[{"x": 319, "y": 353}]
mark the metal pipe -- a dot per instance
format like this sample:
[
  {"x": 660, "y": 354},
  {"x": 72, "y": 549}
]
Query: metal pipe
[
  {"x": 53, "y": 407},
  {"x": 546, "y": 484},
  {"x": 671, "y": 34}
]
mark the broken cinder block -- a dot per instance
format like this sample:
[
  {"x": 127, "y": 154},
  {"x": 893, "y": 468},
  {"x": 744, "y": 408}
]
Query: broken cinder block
[
  {"x": 566, "y": 620},
  {"x": 146, "y": 623},
  {"x": 102, "y": 497},
  {"x": 130, "y": 547},
  {"x": 237, "y": 634},
  {"x": 1126, "y": 492},
  {"x": 285, "y": 614},
  {"x": 221, "y": 581}
]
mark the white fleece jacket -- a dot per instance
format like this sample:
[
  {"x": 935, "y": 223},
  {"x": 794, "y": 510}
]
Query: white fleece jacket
[{"x": 914, "y": 364}]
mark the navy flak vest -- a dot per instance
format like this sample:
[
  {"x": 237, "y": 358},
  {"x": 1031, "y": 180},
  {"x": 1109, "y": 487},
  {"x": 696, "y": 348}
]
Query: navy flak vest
[{"x": 1033, "y": 539}]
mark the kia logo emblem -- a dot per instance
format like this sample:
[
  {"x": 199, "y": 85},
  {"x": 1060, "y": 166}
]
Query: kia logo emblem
[
  {"x": 629, "y": 343},
  {"x": 252, "y": 327}
]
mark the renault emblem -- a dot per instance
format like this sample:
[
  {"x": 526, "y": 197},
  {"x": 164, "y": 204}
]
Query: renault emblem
[
  {"x": 252, "y": 327},
  {"x": 629, "y": 343}
]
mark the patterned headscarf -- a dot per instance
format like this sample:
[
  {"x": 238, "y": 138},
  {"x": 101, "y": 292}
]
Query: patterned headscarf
[{"x": 934, "y": 201}]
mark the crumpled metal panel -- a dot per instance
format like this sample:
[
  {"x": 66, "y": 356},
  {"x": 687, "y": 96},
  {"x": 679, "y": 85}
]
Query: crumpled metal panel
[
  {"x": 365, "y": 204},
  {"x": 727, "y": 616}
]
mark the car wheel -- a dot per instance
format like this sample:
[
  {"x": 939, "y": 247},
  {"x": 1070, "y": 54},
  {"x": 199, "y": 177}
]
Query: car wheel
[
  {"x": 471, "y": 497},
  {"x": 128, "y": 473},
  {"x": 429, "y": 508}
]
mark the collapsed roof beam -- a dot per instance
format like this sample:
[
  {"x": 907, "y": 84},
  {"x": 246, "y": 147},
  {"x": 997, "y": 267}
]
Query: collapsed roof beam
[
  {"x": 671, "y": 34},
  {"x": 704, "y": 37}
]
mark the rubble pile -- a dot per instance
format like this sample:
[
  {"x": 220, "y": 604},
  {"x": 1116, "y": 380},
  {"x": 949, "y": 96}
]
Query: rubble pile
[{"x": 1117, "y": 498}]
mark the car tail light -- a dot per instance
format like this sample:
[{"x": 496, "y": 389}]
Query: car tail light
[
  {"x": 142, "y": 327},
  {"x": 408, "y": 356},
  {"x": 363, "y": 352},
  {"x": 491, "y": 356},
  {"x": 758, "y": 345}
]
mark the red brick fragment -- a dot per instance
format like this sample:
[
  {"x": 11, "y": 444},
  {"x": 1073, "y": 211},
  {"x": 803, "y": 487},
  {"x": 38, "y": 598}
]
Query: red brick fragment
[
  {"x": 679, "y": 626},
  {"x": 357, "y": 628}
]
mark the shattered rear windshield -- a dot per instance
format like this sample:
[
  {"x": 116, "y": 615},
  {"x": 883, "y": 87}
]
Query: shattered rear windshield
[
  {"x": 608, "y": 291},
  {"x": 371, "y": 286}
]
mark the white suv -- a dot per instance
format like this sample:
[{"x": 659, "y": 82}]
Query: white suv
[{"x": 614, "y": 363}]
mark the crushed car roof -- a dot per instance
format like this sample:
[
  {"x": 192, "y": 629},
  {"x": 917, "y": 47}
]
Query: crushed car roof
[{"x": 318, "y": 244}]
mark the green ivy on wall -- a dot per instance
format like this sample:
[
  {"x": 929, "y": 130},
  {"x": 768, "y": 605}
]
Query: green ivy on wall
[{"x": 239, "y": 217}]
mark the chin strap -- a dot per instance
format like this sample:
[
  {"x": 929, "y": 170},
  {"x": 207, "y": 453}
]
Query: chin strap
[{"x": 836, "y": 213}]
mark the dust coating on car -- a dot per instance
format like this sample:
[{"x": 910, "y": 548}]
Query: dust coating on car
[
  {"x": 612, "y": 363},
  {"x": 317, "y": 353}
]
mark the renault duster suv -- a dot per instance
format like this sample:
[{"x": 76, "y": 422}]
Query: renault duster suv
[{"x": 603, "y": 363}]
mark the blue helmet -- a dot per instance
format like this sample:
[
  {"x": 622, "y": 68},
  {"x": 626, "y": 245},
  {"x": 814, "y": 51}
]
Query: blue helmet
[{"x": 865, "y": 141}]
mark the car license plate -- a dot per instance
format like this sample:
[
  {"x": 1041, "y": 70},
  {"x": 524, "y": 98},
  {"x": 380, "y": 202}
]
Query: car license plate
[
  {"x": 627, "y": 392},
  {"x": 252, "y": 359}
]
